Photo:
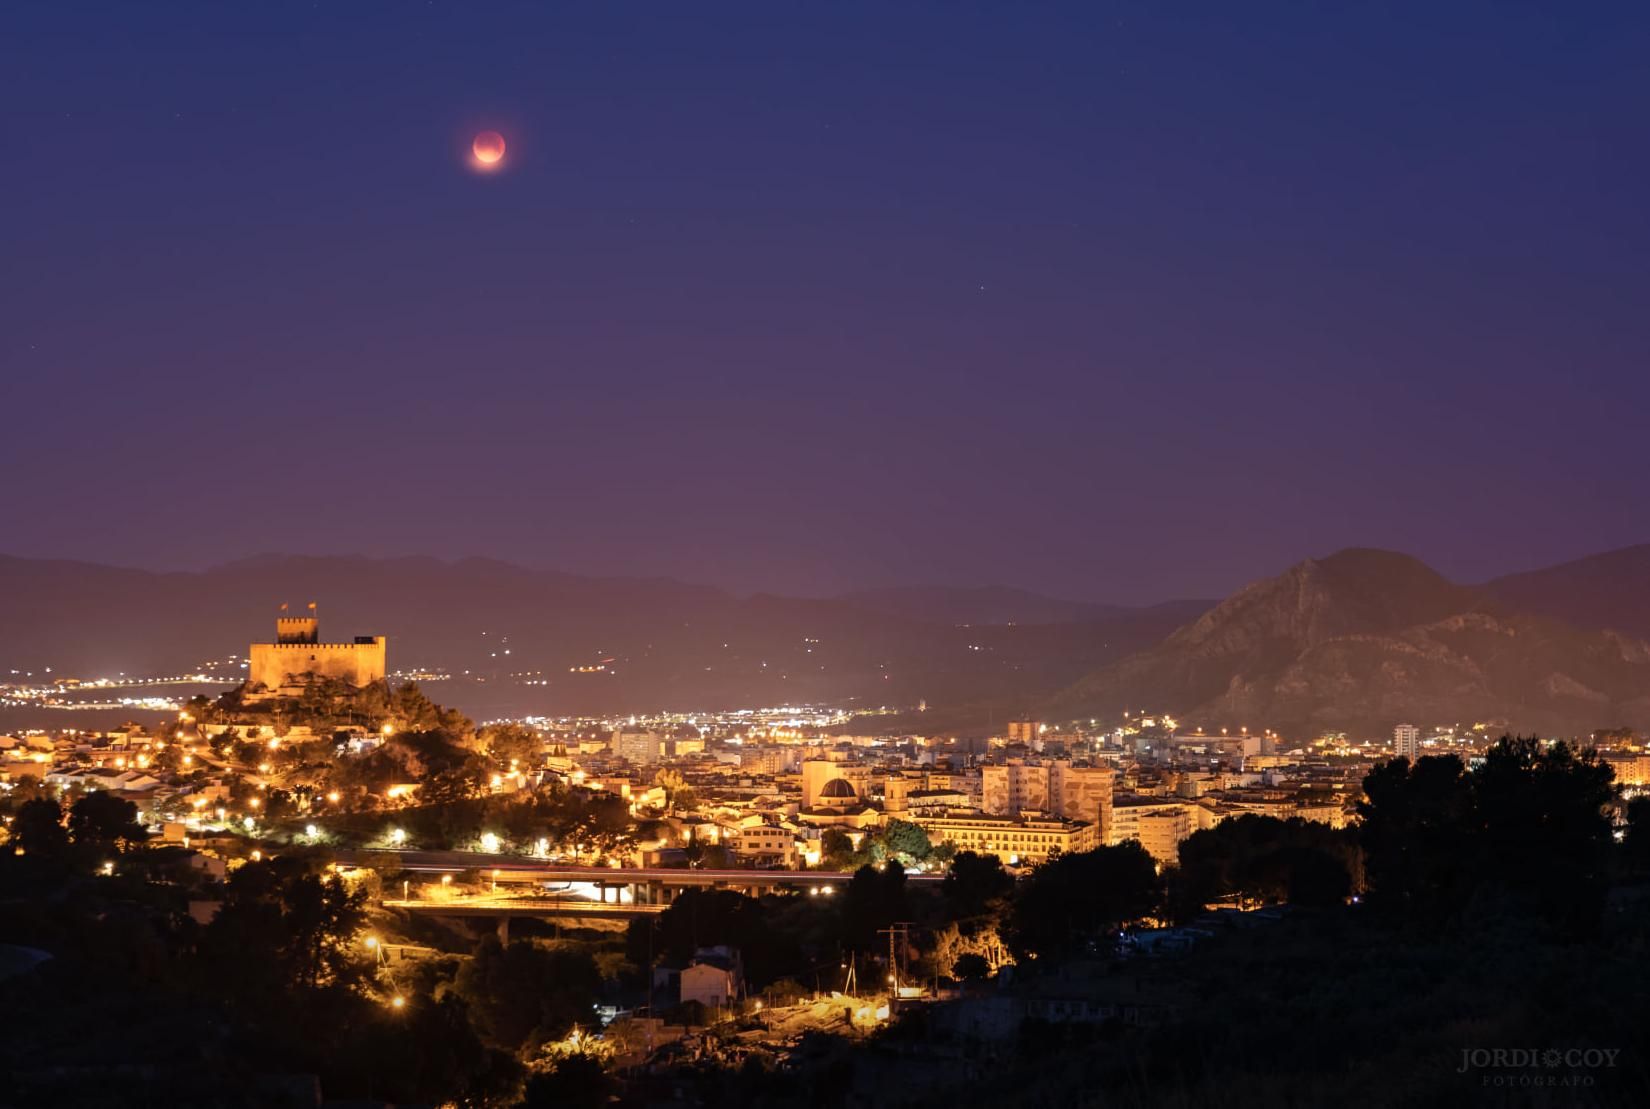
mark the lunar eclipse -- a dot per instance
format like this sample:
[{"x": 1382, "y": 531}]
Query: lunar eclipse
[{"x": 488, "y": 149}]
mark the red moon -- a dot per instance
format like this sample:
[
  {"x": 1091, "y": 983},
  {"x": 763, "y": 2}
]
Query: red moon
[{"x": 488, "y": 148}]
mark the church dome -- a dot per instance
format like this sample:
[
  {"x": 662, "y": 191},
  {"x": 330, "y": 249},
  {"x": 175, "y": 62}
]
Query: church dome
[{"x": 838, "y": 789}]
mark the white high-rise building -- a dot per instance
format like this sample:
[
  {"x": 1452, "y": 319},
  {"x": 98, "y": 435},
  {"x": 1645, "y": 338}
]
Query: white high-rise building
[
  {"x": 1406, "y": 742},
  {"x": 641, "y": 748}
]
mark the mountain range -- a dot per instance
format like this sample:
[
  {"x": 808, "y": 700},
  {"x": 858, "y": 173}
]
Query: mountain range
[
  {"x": 1357, "y": 640},
  {"x": 1364, "y": 639}
]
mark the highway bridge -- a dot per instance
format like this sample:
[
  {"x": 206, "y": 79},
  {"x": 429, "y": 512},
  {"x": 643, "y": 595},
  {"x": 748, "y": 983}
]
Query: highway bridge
[
  {"x": 525, "y": 887},
  {"x": 503, "y": 908}
]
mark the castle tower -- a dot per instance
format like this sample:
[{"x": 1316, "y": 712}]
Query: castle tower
[{"x": 297, "y": 629}]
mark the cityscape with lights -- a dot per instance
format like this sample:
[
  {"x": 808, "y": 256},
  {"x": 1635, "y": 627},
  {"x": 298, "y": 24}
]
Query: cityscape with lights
[{"x": 724, "y": 899}]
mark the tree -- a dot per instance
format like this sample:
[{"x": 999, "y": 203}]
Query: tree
[
  {"x": 1637, "y": 844},
  {"x": 708, "y": 917},
  {"x": 971, "y": 967},
  {"x": 974, "y": 884},
  {"x": 511, "y": 743},
  {"x": 836, "y": 848},
  {"x": 524, "y": 993},
  {"x": 1528, "y": 828},
  {"x": 873, "y": 900},
  {"x": 575, "y": 1081},
  {"x": 1262, "y": 858},
  {"x": 103, "y": 821},
  {"x": 902, "y": 839},
  {"x": 427, "y": 1051},
  {"x": 38, "y": 829},
  {"x": 1545, "y": 836},
  {"x": 1070, "y": 903},
  {"x": 282, "y": 927},
  {"x": 1416, "y": 832}
]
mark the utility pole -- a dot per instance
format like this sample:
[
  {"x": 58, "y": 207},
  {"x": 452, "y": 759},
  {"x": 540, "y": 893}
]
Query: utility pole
[{"x": 901, "y": 929}]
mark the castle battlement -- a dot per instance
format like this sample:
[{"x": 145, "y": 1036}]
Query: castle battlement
[{"x": 360, "y": 641}]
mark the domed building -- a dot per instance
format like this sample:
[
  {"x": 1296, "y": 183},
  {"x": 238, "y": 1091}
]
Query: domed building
[
  {"x": 831, "y": 799},
  {"x": 838, "y": 794}
]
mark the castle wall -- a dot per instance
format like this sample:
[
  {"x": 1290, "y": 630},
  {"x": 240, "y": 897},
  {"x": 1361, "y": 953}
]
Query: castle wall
[{"x": 274, "y": 664}]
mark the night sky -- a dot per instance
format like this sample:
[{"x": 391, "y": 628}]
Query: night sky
[{"x": 1115, "y": 301}]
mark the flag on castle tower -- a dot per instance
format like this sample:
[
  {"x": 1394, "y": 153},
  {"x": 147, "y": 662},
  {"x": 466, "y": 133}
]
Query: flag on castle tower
[{"x": 283, "y": 606}]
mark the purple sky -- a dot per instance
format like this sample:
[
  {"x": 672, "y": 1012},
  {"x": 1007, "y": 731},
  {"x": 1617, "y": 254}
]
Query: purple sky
[{"x": 1094, "y": 299}]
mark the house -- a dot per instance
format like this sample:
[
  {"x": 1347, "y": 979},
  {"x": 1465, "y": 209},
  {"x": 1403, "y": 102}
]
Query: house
[
  {"x": 764, "y": 845},
  {"x": 714, "y": 978}
]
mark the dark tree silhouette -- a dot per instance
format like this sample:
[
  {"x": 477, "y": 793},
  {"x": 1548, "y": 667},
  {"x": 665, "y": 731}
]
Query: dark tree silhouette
[
  {"x": 523, "y": 993},
  {"x": 974, "y": 884},
  {"x": 706, "y": 918},
  {"x": 1071, "y": 904},
  {"x": 38, "y": 829},
  {"x": 1416, "y": 834},
  {"x": 1528, "y": 829},
  {"x": 1264, "y": 859},
  {"x": 971, "y": 967},
  {"x": 574, "y": 1082},
  {"x": 873, "y": 900}
]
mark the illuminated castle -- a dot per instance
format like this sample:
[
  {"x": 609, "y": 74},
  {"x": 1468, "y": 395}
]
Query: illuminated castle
[{"x": 298, "y": 656}]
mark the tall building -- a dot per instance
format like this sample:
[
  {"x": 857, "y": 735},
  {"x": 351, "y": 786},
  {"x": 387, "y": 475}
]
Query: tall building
[
  {"x": 298, "y": 657},
  {"x": 1081, "y": 793},
  {"x": 1406, "y": 742},
  {"x": 1159, "y": 825},
  {"x": 641, "y": 748},
  {"x": 1023, "y": 731},
  {"x": 1014, "y": 787},
  {"x": 1056, "y": 787}
]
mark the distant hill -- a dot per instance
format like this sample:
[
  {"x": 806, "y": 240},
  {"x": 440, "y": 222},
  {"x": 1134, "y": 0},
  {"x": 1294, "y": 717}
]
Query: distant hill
[
  {"x": 671, "y": 645},
  {"x": 1365, "y": 639},
  {"x": 1359, "y": 640},
  {"x": 1609, "y": 590},
  {"x": 1000, "y": 604}
]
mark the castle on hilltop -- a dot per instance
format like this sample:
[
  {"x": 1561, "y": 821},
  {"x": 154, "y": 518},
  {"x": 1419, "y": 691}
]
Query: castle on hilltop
[{"x": 298, "y": 657}]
